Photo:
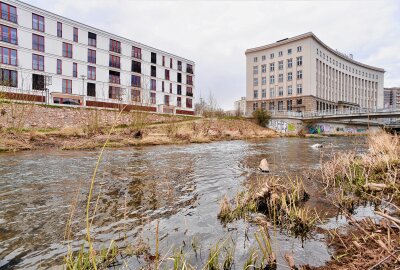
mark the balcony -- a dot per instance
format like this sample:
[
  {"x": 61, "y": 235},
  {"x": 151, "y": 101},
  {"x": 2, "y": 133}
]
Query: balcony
[
  {"x": 189, "y": 94},
  {"x": 116, "y": 49},
  {"x": 9, "y": 17},
  {"x": 114, "y": 80},
  {"x": 189, "y": 70},
  {"x": 137, "y": 55}
]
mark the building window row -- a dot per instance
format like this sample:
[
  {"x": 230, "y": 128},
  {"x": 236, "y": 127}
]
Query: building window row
[
  {"x": 299, "y": 62},
  {"x": 280, "y": 54}
]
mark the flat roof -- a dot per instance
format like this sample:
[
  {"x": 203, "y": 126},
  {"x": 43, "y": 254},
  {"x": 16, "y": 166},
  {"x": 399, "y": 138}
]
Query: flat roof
[
  {"x": 311, "y": 35},
  {"x": 94, "y": 29}
]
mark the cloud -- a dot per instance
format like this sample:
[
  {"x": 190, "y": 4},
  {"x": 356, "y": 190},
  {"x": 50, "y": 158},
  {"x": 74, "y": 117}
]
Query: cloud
[{"x": 215, "y": 34}]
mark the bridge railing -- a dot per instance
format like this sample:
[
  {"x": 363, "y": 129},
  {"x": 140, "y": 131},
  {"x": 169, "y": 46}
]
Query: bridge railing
[{"x": 334, "y": 112}]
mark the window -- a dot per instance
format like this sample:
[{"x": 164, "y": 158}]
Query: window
[
  {"x": 59, "y": 29},
  {"x": 189, "y": 80},
  {"x": 59, "y": 66},
  {"x": 114, "y": 92},
  {"x": 136, "y": 52},
  {"x": 189, "y": 91},
  {"x": 271, "y": 92},
  {"x": 170, "y": 63},
  {"x": 299, "y": 89},
  {"x": 289, "y": 90},
  {"x": 189, "y": 68},
  {"x": 114, "y": 77},
  {"x": 170, "y": 88},
  {"x": 92, "y": 56},
  {"x": 289, "y": 76},
  {"x": 135, "y": 81},
  {"x": 271, "y": 56},
  {"x": 153, "y": 71},
  {"x": 280, "y": 65},
  {"x": 91, "y": 89},
  {"x": 167, "y": 74},
  {"x": 299, "y": 60},
  {"x": 272, "y": 67},
  {"x": 136, "y": 66},
  {"x": 153, "y": 98},
  {"x": 135, "y": 95},
  {"x": 264, "y": 106},
  {"x": 92, "y": 39},
  {"x": 289, "y": 105},
  {"x": 289, "y": 63},
  {"x": 179, "y": 78},
  {"x": 280, "y": 105},
  {"x": 179, "y": 101},
  {"x": 37, "y": 62},
  {"x": 166, "y": 100},
  {"x": 263, "y": 93},
  {"x": 76, "y": 31},
  {"x": 255, "y": 81},
  {"x": 179, "y": 89},
  {"x": 189, "y": 103},
  {"x": 67, "y": 50},
  {"x": 299, "y": 101},
  {"x": 255, "y": 94},
  {"x": 289, "y": 51},
  {"x": 280, "y": 91},
  {"x": 8, "y": 56},
  {"x": 75, "y": 70},
  {"x": 153, "y": 85},
  {"x": 37, "y": 82},
  {"x": 299, "y": 74},
  {"x": 255, "y": 59},
  {"x": 163, "y": 61},
  {"x": 37, "y": 43},
  {"x": 115, "y": 46},
  {"x": 255, "y": 106},
  {"x": 162, "y": 86},
  {"x": 8, "y": 34},
  {"x": 299, "y": 49},
  {"x": 67, "y": 86},
  {"x": 271, "y": 106},
  {"x": 264, "y": 68},
  {"x": 154, "y": 58},
  {"x": 91, "y": 73},
  {"x": 115, "y": 61},
  {"x": 280, "y": 53},
  {"x": 280, "y": 78},
  {"x": 8, "y": 13},
  {"x": 37, "y": 22},
  {"x": 8, "y": 77},
  {"x": 179, "y": 65},
  {"x": 264, "y": 80},
  {"x": 272, "y": 79},
  {"x": 263, "y": 58},
  {"x": 255, "y": 70}
]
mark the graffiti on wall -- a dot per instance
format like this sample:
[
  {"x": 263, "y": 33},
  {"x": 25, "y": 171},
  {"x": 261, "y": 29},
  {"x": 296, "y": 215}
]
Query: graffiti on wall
[
  {"x": 283, "y": 126},
  {"x": 332, "y": 128}
]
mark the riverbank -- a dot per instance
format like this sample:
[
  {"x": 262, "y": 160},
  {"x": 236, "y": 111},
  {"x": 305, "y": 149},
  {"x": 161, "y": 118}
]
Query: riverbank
[{"x": 180, "y": 131}]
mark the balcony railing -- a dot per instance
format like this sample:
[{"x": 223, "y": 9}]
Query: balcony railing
[
  {"x": 115, "y": 80},
  {"x": 189, "y": 94},
  {"x": 9, "y": 17},
  {"x": 116, "y": 49}
]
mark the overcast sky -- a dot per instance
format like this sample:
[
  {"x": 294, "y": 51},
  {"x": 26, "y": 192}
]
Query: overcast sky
[{"x": 216, "y": 34}]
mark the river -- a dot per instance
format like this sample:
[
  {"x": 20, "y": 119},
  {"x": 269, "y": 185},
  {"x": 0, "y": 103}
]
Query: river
[{"x": 178, "y": 185}]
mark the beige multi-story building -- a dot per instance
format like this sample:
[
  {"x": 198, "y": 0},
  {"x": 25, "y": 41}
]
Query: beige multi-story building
[
  {"x": 304, "y": 74},
  {"x": 392, "y": 98}
]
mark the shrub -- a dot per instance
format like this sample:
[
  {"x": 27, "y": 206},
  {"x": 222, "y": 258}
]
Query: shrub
[{"x": 262, "y": 117}]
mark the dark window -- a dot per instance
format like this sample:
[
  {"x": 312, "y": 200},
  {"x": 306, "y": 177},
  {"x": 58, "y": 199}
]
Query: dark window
[
  {"x": 91, "y": 89},
  {"x": 59, "y": 29},
  {"x": 163, "y": 60},
  {"x": 74, "y": 70},
  {"x": 153, "y": 71},
  {"x": 179, "y": 101},
  {"x": 37, "y": 82},
  {"x": 167, "y": 74},
  {"x": 180, "y": 65},
  {"x": 170, "y": 63},
  {"x": 92, "y": 56},
  {"x": 299, "y": 101},
  {"x": 8, "y": 77},
  {"x": 189, "y": 103},
  {"x": 67, "y": 86},
  {"x": 135, "y": 95},
  {"x": 189, "y": 91},
  {"x": 162, "y": 86},
  {"x": 179, "y": 89},
  {"x": 114, "y": 77},
  {"x": 136, "y": 67},
  {"x": 67, "y": 50},
  {"x": 37, "y": 62},
  {"x": 115, "y": 61},
  {"x": 91, "y": 73},
  {"x": 76, "y": 31},
  {"x": 115, "y": 46},
  {"x": 154, "y": 58},
  {"x": 170, "y": 88},
  {"x": 59, "y": 66},
  {"x": 135, "y": 81},
  {"x": 37, "y": 43},
  {"x": 179, "y": 77},
  {"x": 37, "y": 22},
  {"x": 8, "y": 56},
  {"x": 153, "y": 98},
  {"x": 189, "y": 68},
  {"x": 153, "y": 85},
  {"x": 92, "y": 39},
  {"x": 8, "y": 34},
  {"x": 137, "y": 52},
  {"x": 166, "y": 100},
  {"x": 189, "y": 80},
  {"x": 8, "y": 13},
  {"x": 114, "y": 92}
]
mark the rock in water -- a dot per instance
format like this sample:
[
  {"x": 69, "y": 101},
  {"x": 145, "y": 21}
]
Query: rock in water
[
  {"x": 264, "y": 165},
  {"x": 317, "y": 145}
]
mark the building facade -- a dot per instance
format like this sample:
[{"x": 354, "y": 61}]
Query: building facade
[
  {"x": 51, "y": 59},
  {"x": 392, "y": 98},
  {"x": 240, "y": 107},
  {"x": 303, "y": 74}
]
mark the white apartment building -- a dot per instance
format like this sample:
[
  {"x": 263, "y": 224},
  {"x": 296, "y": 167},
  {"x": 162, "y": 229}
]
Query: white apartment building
[
  {"x": 240, "y": 107},
  {"x": 304, "y": 74},
  {"x": 51, "y": 59}
]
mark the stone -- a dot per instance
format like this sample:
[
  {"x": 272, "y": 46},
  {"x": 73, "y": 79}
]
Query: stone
[
  {"x": 264, "y": 165},
  {"x": 317, "y": 145}
]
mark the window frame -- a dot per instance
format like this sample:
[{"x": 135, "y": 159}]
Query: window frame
[
  {"x": 36, "y": 26},
  {"x": 39, "y": 60}
]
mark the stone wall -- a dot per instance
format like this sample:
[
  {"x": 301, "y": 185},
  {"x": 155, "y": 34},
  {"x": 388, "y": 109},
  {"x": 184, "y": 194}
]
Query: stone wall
[{"x": 17, "y": 115}]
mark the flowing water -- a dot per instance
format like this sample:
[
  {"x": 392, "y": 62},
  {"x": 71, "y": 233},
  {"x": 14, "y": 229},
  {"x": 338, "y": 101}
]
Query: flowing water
[{"x": 179, "y": 186}]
